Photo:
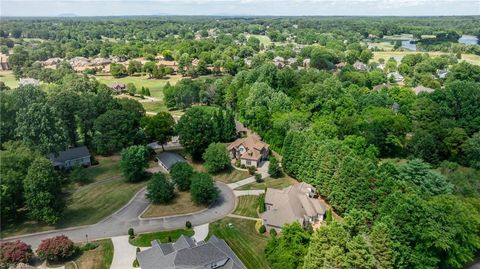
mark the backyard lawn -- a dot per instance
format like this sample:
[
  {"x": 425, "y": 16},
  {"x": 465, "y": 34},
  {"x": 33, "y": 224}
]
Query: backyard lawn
[
  {"x": 247, "y": 206},
  {"x": 228, "y": 176},
  {"x": 243, "y": 239},
  {"x": 276, "y": 183},
  {"x": 99, "y": 258},
  {"x": 144, "y": 240},
  {"x": 181, "y": 205}
]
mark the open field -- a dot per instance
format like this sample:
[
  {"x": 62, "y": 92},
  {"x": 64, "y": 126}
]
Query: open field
[
  {"x": 243, "y": 239},
  {"x": 90, "y": 203},
  {"x": 473, "y": 59},
  {"x": 99, "y": 258},
  {"x": 269, "y": 182},
  {"x": 265, "y": 40},
  {"x": 144, "y": 240},
  {"x": 181, "y": 205},
  {"x": 247, "y": 206},
  {"x": 8, "y": 78}
]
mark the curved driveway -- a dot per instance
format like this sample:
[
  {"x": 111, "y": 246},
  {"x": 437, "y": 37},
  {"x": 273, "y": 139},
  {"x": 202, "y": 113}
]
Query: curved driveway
[{"x": 128, "y": 217}]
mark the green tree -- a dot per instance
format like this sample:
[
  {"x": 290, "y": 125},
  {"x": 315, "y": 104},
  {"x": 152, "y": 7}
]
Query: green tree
[
  {"x": 114, "y": 130},
  {"x": 160, "y": 127},
  {"x": 382, "y": 246},
  {"x": 203, "y": 189},
  {"x": 66, "y": 104},
  {"x": 79, "y": 175},
  {"x": 134, "y": 161},
  {"x": 359, "y": 255},
  {"x": 39, "y": 126},
  {"x": 471, "y": 149},
  {"x": 429, "y": 182},
  {"x": 43, "y": 192},
  {"x": 131, "y": 89},
  {"x": 118, "y": 70},
  {"x": 160, "y": 190},
  {"x": 196, "y": 130},
  {"x": 181, "y": 174},
  {"x": 216, "y": 158},
  {"x": 229, "y": 131}
]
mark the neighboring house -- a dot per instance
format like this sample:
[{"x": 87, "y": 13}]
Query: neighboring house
[
  {"x": 421, "y": 88},
  {"x": 306, "y": 63},
  {"x": 28, "y": 81},
  {"x": 291, "y": 61},
  {"x": 442, "y": 73},
  {"x": 52, "y": 63},
  {"x": 294, "y": 203},
  {"x": 195, "y": 62},
  {"x": 185, "y": 253},
  {"x": 240, "y": 129},
  {"x": 118, "y": 88},
  {"x": 167, "y": 159},
  {"x": 4, "y": 62},
  {"x": 71, "y": 157},
  {"x": 251, "y": 151},
  {"x": 397, "y": 77},
  {"x": 279, "y": 62},
  {"x": 360, "y": 66}
]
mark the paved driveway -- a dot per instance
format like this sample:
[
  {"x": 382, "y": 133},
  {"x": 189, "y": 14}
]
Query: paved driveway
[{"x": 127, "y": 217}]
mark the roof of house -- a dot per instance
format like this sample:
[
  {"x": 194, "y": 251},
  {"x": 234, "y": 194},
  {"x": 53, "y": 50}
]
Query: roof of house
[
  {"x": 168, "y": 159},
  {"x": 421, "y": 88},
  {"x": 253, "y": 146},
  {"x": 70, "y": 154},
  {"x": 239, "y": 127},
  {"x": 184, "y": 253},
  {"x": 360, "y": 66},
  {"x": 118, "y": 85},
  {"x": 291, "y": 204}
]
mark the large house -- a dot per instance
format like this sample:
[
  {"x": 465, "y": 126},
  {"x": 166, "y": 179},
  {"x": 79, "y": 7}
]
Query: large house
[
  {"x": 185, "y": 253},
  {"x": 250, "y": 150},
  {"x": 71, "y": 157},
  {"x": 294, "y": 203}
]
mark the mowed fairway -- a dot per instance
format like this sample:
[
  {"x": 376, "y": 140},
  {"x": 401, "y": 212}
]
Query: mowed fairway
[
  {"x": 247, "y": 206},
  {"x": 470, "y": 58},
  {"x": 247, "y": 244},
  {"x": 8, "y": 78}
]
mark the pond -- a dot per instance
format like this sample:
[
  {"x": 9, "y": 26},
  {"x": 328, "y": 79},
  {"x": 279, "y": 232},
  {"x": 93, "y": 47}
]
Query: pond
[{"x": 468, "y": 40}]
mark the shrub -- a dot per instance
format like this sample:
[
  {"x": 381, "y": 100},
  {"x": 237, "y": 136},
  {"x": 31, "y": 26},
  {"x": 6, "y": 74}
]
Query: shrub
[
  {"x": 131, "y": 233},
  {"x": 258, "y": 177},
  {"x": 79, "y": 175},
  {"x": 89, "y": 246},
  {"x": 262, "y": 229},
  {"x": 203, "y": 189},
  {"x": 261, "y": 203},
  {"x": 216, "y": 158},
  {"x": 15, "y": 252},
  {"x": 252, "y": 170},
  {"x": 181, "y": 174},
  {"x": 134, "y": 161},
  {"x": 243, "y": 166},
  {"x": 56, "y": 248},
  {"x": 329, "y": 217},
  {"x": 188, "y": 224},
  {"x": 273, "y": 232},
  {"x": 160, "y": 190},
  {"x": 237, "y": 163},
  {"x": 135, "y": 263}
]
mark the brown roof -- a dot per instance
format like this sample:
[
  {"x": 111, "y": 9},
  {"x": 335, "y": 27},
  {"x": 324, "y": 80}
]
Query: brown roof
[
  {"x": 291, "y": 204},
  {"x": 421, "y": 88},
  {"x": 253, "y": 146}
]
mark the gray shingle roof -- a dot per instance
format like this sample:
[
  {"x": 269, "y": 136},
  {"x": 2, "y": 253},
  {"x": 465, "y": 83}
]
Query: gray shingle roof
[
  {"x": 185, "y": 253},
  {"x": 168, "y": 159},
  {"x": 70, "y": 154}
]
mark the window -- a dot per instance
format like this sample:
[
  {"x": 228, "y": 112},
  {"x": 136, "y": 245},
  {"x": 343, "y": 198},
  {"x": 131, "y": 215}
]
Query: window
[{"x": 249, "y": 163}]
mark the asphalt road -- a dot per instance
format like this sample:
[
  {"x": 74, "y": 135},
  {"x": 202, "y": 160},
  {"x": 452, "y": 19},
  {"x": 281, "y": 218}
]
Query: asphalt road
[{"x": 128, "y": 217}]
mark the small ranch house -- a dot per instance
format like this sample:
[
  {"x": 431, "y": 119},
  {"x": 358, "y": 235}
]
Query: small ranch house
[
  {"x": 69, "y": 158},
  {"x": 251, "y": 151},
  {"x": 167, "y": 159}
]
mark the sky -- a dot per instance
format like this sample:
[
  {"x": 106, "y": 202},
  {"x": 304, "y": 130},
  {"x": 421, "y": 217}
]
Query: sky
[{"x": 239, "y": 7}]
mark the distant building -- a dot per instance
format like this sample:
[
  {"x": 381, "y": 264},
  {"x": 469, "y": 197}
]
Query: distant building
[
  {"x": 28, "y": 81},
  {"x": 187, "y": 254},
  {"x": 240, "y": 129},
  {"x": 4, "y": 62},
  {"x": 118, "y": 88},
  {"x": 279, "y": 62},
  {"x": 251, "y": 151},
  {"x": 294, "y": 203},
  {"x": 397, "y": 77},
  {"x": 442, "y": 73},
  {"x": 166, "y": 160},
  {"x": 421, "y": 88},
  {"x": 306, "y": 63},
  {"x": 291, "y": 61},
  {"x": 360, "y": 66},
  {"x": 71, "y": 157}
]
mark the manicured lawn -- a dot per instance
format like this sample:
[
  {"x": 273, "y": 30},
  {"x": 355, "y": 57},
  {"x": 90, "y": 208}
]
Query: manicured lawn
[
  {"x": 106, "y": 168},
  {"x": 276, "y": 183},
  {"x": 265, "y": 40},
  {"x": 144, "y": 240},
  {"x": 154, "y": 107},
  {"x": 99, "y": 258},
  {"x": 473, "y": 59},
  {"x": 247, "y": 206},
  {"x": 228, "y": 176},
  {"x": 247, "y": 244},
  {"x": 8, "y": 78},
  {"x": 181, "y": 205}
]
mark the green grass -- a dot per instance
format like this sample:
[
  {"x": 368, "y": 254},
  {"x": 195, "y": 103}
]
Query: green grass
[
  {"x": 470, "y": 58},
  {"x": 154, "y": 107},
  {"x": 229, "y": 176},
  {"x": 247, "y": 206},
  {"x": 99, "y": 258},
  {"x": 265, "y": 40},
  {"x": 107, "y": 167},
  {"x": 247, "y": 244},
  {"x": 8, "y": 78},
  {"x": 144, "y": 240},
  {"x": 276, "y": 183}
]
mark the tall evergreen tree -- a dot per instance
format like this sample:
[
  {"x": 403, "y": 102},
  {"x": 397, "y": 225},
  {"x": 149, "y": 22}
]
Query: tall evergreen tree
[{"x": 229, "y": 131}]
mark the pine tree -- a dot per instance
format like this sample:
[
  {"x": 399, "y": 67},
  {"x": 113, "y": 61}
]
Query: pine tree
[
  {"x": 381, "y": 245},
  {"x": 219, "y": 125},
  {"x": 229, "y": 132},
  {"x": 147, "y": 92}
]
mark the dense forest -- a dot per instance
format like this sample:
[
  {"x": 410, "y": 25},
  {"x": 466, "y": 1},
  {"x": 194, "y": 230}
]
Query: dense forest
[{"x": 402, "y": 168}]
